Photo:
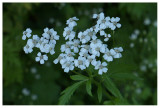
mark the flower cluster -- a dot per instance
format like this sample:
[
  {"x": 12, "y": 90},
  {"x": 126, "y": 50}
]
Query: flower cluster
[
  {"x": 45, "y": 44},
  {"x": 82, "y": 50}
]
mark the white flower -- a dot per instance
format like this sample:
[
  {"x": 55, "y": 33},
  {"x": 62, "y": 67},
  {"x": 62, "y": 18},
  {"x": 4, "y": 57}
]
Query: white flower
[
  {"x": 115, "y": 23},
  {"x": 84, "y": 54},
  {"x": 68, "y": 65},
  {"x": 33, "y": 42},
  {"x": 71, "y": 22},
  {"x": 68, "y": 33},
  {"x": 84, "y": 38},
  {"x": 85, "y": 48},
  {"x": 91, "y": 33},
  {"x": 101, "y": 67},
  {"x": 46, "y": 33},
  {"x": 98, "y": 48},
  {"x": 42, "y": 41},
  {"x": 75, "y": 45},
  {"x": 80, "y": 62},
  {"x": 41, "y": 58},
  {"x": 109, "y": 54},
  {"x": 90, "y": 59},
  {"x": 95, "y": 43},
  {"x": 66, "y": 47},
  {"x": 67, "y": 57},
  {"x": 27, "y": 33},
  {"x": 98, "y": 16},
  {"x": 59, "y": 58},
  {"x": 107, "y": 36},
  {"x": 27, "y": 49},
  {"x": 104, "y": 23},
  {"x": 118, "y": 54}
]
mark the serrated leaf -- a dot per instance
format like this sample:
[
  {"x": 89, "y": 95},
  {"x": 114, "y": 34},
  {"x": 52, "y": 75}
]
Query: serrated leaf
[
  {"x": 99, "y": 92},
  {"x": 67, "y": 93},
  {"x": 89, "y": 87},
  {"x": 108, "y": 83},
  {"x": 78, "y": 77}
]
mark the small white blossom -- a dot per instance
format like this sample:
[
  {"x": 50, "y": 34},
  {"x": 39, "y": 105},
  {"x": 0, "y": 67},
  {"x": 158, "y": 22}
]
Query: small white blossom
[
  {"x": 101, "y": 67},
  {"x": 71, "y": 22},
  {"x": 90, "y": 59},
  {"x": 109, "y": 54},
  {"x": 66, "y": 47},
  {"x": 41, "y": 58},
  {"x": 27, "y": 33},
  {"x": 68, "y": 33},
  {"x": 75, "y": 45},
  {"x": 118, "y": 54},
  {"x": 59, "y": 58},
  {"x": 84, "y": 38},
  {"x": 80, "y": 62},
  {"x": 27, "y": 49},
  {"x": 115, "y": 23},
  {"x": 68, "y": 65}
]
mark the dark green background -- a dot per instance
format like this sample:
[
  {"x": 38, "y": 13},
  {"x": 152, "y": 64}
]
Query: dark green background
[{"x": 17, "y": 65}]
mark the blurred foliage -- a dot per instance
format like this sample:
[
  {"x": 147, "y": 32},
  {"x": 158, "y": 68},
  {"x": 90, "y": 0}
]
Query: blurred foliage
[{"x": 47, "y": 81}]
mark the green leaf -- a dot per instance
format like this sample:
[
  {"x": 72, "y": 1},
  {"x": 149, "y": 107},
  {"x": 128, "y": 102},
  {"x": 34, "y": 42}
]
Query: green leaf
[
  {"x": 119, "y": 101},
  {"x": 78, "y": 77},
  {"x": 111, "y": 87},
  {"x": 99, "y": 92},
  {"x": 89, "y": 87},
  {"x": 108, "y": 103},
  {"x": 67, "y": 93}
]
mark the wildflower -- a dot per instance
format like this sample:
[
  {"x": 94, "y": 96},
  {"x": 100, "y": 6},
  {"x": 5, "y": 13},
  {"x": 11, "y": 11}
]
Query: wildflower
[
  {"x": 59, "y": 58},
  {"x": 27, "y": 33},
  {"x": 118, "y": 54},
  {"x": 115, "y": 23},
  {"x": 98, "y": 16},
  {"x": 101, "y": 67},
  {"x": 41, "y": 58},
  {"x": 27, "y": 49},
  {"x": 104, "y": 22},
  {"x": 68, "y": 65},
  {"x": 71, "y": 22},
  {"x": 80, "y": 62},
  {"x": 84, "y": 38},
  {"x": 33, "y": 42},
  {"x": 75, "y": 45},
  {"x": 109, "y": 54},
  {"x": 68, "y": 33},
  {"x": 90, "y": 59},
  {"x": 66, "y": 47},
  {"x": 91, "y": 33}
]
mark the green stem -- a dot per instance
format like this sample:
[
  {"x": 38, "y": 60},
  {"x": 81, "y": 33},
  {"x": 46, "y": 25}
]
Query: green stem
[{"x": 97, "y": 83}]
